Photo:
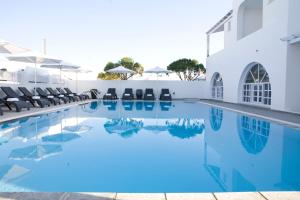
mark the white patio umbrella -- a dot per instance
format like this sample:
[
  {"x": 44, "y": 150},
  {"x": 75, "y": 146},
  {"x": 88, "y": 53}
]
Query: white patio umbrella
[
  {"x": 121, "y": 70},
  {"x": 76, "y": 71},
  {"x": 157, "y": 71},
  {"x": 61, "y": 65},
  {"x": 35, "y": 58},
  {"x": 10, "y": 48}
]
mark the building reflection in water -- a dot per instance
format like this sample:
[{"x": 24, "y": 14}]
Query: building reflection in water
[
  {"x": 253, "y": 133},
  {"x": 216, "y": 118}
]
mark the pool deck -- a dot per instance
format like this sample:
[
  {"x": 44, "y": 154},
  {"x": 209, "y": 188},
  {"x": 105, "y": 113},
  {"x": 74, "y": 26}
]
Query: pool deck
[
  {"x": 288, "y": 119},
  {"x": 153, "y": 196},
  {"x": 11, "y": 115}
]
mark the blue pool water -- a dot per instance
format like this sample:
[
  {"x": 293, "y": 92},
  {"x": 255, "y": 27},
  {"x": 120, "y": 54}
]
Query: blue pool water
[{"x": 147, "y": 147}]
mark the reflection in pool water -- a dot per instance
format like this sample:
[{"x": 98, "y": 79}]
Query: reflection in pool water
[
  {"x": 185, "y": 128},
  {"x": 216, "y": 117},
  {"x": 253, "y": 133},
  {"x": 123, "y": 126},
  {"x": 35, "y": 152},
  {"x": 60, "y": 137},
  {"x": 147, "y": 147}
]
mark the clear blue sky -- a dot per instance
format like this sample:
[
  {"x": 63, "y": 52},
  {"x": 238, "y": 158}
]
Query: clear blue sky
[{"x": 93, "y": 32}]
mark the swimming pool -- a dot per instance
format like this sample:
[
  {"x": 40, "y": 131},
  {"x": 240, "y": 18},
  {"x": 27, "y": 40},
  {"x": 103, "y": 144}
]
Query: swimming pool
[{"x": 183, "y": 146}]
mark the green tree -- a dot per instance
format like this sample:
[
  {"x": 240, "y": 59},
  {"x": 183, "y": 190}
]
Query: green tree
[
  {"x": 126, "y": 62},
  {"x": 187, "y": 69}
]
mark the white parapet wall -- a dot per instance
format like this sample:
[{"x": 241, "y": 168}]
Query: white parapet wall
[{"x": 178, "y": 89}]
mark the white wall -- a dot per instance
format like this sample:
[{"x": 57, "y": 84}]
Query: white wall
[
  {"x": 179, "y": 89},
  {"x": 264, "y": 46},
  {"x": 293, "y": 60}
]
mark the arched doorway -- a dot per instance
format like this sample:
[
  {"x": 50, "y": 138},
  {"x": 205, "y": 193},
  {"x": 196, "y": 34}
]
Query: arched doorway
[
  {"x": 217, "y": 87},
  {"x": 256, "y": 86}
]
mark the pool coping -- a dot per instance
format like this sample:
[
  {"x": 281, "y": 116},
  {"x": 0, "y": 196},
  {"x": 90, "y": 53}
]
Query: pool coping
[
  {"x": 10, "y": 116},
  {"x": 292, "y": 195},
  {"x": 256, "y": 112},
  {"x": 260, "y": 112}
]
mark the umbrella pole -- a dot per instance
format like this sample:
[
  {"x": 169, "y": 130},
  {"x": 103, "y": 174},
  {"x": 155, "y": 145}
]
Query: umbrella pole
[
  {"x": 76, "y": 82},
  {"x": 35, "y": 78}
]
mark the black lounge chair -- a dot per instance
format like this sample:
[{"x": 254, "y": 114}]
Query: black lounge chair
[
  {"x": 80, "y": 96},
  {"x": 149, "y": 95},
  {"x": 95, "y": 94},
  {"x": 1, "y": 112},
  {"x": 128, "y": 94},
  {"x": 57, "y": 95},
  {"x": 13, "y": 99},
  {"x": 50, "y": 98},
  {"x": 71, "y": 97},
  {"x": 42, "y": 102},
  {"x": 111, "y": 94},
  {"x": 165, "y": 95},
  {"x": 139, "y": 94}
]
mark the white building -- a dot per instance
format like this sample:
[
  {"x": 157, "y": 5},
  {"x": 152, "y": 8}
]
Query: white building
[{"x": 260, "y": 62}]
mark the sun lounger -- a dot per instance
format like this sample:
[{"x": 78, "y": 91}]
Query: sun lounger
[
  {"x": 149, "y": 95},
  {"x": 95, "y": 94},
  {"x": 13, "y": 99},
  {"x": 165, "y": 95},
  {"x": 111, "y": 94},
  {"x": 71, "y": 97},
  {"x": 50, "y": 98},
  {"x": 42, "y": 102},
  {"x": 139, "y": 94},
  {"x": 57, "y": 95},
  {"x": 128, "y": 94},
  {"x": 1, "y": 112},
  {"x": 80, "y": 96}
]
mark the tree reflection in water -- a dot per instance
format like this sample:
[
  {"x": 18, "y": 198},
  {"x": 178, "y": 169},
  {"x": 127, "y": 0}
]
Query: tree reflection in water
[
  {"x": 124, "y": 127},
  {"x": 186, "y": 127}
]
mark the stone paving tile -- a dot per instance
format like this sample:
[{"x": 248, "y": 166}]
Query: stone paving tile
[
  {"x": 190, "y": 196},
  {"x": 140, "y": 196},
  {"x": 90, "y": 196},
  {"x": 31, "y": 196},
  {"x": 239, "y": 196},
  {"x": 281, "y": 195}
]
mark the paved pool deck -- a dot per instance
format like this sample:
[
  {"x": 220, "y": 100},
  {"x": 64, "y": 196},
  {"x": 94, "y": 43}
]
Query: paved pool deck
[
  {"x": 11, "y": 115},
  {"x": 153, "y": 196},
  {"x": 288, "y": 119}
]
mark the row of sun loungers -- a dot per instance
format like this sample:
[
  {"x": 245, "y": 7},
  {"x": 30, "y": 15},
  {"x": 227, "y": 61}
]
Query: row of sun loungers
[
  {"x": 129, "y": 95},
  {"x": 43, "y": 98}
]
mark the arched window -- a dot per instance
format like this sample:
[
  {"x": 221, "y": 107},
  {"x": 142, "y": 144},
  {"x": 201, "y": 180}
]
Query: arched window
[
  {"x": 253, "y": 133},
  {"x": 217, "y": 87},
  {"x": 250, "y": 17},
  {"x": 256, "y": 86}
]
